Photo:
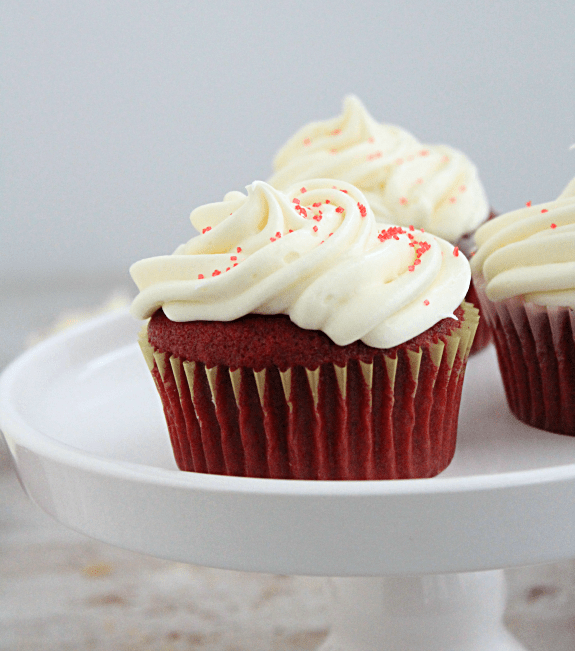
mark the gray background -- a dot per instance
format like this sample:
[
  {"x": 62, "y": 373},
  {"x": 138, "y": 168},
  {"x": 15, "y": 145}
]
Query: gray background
[{"x": 119, "y": 117}]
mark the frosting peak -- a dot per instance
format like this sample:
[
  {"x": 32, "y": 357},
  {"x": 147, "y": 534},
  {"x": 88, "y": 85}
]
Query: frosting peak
[
  {"x": 434, "y": 187},
  {"x": 314, "y": 253}
]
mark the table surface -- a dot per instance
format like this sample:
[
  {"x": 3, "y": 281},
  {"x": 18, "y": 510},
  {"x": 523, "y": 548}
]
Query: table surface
[{"x": 61, "y": 590}]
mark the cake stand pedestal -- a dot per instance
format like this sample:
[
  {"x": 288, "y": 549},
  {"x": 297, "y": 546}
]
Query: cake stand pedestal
[
  {"x": 437, "y": 612},
  {"x": 417, "y": 560}
]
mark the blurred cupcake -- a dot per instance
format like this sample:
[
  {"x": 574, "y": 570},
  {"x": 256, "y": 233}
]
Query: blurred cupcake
[
  {"x": 434, "y": 187},
  {"x": 524, "y": 271},
  {"x": 296, "y": 338}
]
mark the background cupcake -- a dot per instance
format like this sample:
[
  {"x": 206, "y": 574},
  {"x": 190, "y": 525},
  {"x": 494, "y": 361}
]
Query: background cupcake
[
  {"x": 295, "y": 337},
  {"x": 434, "y": 187},
  {"x": 524, "y": 271}
]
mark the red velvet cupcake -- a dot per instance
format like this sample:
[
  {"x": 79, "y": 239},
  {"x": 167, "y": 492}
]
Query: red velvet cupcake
[
  {"x": 331, "y": 350},
  {"x": 524, "y": 272},
  {"x": 406, "y": 182}
]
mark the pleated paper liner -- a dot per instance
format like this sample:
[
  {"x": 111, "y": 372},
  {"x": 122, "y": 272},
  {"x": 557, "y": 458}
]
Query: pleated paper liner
[
  {"x": 536, "y": 353},
  {"x": 483, "y": 336},
  {"x": 393, "y": 418}
]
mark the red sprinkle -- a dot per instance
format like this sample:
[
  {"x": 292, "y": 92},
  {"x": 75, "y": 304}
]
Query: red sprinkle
[
  {"x": 426, "y": 302},
  {"x": 339, "y": 209},
  {"x": 389, "y": 233},
  {"x": 233, "y": 257},
  {"x": 307, "y": 141},
  {"x": 411, "y": 227},
  {"x": 528, "y": 204},
  {"x": 217, "y": 272},
  {"x": 206, "y": 229},
  {"x": 544, "y": 210},
  {"x": 315, "y": 229},
  {"x": 272, "y": 239},
  {"x": 327, "y": 200},
  {"x": 303, "y": 190},
  {"x": 296, "y": 201},
  {"x": 362, "y": 209},
  {"x": 239, "y": 249},
  {"x": 411, "y": 268},
  {"x": 456, "y": 251},
  {"x": 228, "y": 269},
  {"x": 278, "y": 234},
  {"x": 200, "y": 276},
  {"x": 317, "y": 204},
  {"x": 553, "y": 225}
]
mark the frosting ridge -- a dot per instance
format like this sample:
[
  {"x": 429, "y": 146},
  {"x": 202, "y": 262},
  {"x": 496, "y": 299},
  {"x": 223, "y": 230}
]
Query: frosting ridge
[{"x": 530, "y": 252}]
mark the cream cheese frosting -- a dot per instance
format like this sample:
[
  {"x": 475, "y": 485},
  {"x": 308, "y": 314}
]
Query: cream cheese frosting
[
  {"x": 434, "y": 187},
  {"x": 530, "y": 252},
  {"x": 314, "y": 253}
]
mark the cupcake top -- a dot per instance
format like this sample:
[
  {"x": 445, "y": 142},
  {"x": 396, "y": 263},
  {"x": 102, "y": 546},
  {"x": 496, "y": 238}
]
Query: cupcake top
[
  {"x": 434, "y": 187},
  {"x": 314, "y": 253},
  {"x": 530, "y": 252}
]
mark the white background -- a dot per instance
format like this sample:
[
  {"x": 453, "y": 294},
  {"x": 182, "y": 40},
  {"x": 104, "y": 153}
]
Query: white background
[{"x": 119, "y": 116}]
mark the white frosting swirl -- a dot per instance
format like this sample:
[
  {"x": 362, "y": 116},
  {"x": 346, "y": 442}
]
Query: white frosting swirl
[
  {"x": 434, "y": 187},
  {"x": 314, "y": 253},
  {"x": 530, "y": 252}
]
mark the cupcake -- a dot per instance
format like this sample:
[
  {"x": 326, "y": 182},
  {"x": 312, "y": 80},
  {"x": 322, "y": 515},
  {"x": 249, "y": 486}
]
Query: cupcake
[
  {"x": 524, "y": 272},
  {"x": 295, "y": 337},
  {"x": 434, "y": 187}
]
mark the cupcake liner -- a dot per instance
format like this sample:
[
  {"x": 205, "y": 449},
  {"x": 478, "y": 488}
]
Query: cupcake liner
[
  {"x": 468, "y": 247},
  {"x": 483, "y": 336},
  {"x": 536, "y": 353},
  {"x": 394, "y": 417}
]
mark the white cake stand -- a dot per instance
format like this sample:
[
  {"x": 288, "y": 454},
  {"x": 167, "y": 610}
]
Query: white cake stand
[{"x": 85, "y": 428}]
